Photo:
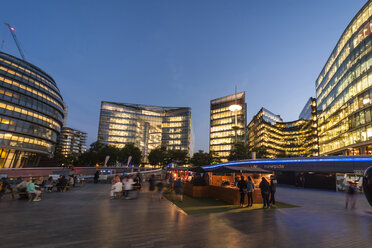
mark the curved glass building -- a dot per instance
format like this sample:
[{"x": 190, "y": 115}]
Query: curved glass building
[
  {"x": 31, "y": 113},
  {"x": 344, "y": 91}
]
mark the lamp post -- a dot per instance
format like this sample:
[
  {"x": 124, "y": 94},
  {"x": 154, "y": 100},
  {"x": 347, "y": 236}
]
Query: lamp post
[{"x": 235, "y": 108}]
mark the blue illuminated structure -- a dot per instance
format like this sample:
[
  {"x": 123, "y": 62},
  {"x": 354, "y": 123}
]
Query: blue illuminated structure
[{"x": 308, "y": 160}]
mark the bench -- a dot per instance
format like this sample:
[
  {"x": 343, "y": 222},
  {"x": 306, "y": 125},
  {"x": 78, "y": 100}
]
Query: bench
[{"x": 26, "y": 195}]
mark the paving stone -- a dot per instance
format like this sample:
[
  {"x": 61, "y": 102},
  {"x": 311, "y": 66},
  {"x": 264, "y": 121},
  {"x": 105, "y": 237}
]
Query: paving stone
[{"x": 86, "y": 217}]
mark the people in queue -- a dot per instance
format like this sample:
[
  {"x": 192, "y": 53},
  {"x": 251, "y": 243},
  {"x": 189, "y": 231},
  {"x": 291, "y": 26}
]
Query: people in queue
[
  {"x": 117, "y": 187},
  {"x": 265, "y": 190},
  {"x": 273, "y": 184},
  {"x": 250, "y": 189},
  {"x": 242, "y": 185},
  {"x": 31, "y": 189}
]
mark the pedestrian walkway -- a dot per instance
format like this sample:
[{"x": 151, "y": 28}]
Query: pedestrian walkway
[{"x": 86, "y": 217}]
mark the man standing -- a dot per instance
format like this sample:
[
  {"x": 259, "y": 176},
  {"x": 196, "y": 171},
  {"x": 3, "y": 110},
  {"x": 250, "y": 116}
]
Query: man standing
[
  {"x": 265, "y": 190},
  {"x": 243, "y": 189},
  {"x": 273, "y": 184}
]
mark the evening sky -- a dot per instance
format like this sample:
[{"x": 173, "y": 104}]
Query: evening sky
[{"x": 178, "y": 53}]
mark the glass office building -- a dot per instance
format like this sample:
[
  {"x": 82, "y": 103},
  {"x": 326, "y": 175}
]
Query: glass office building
[
  {"x": 344, "y": 91},
  {"x": 31, "y": 113},
  {"x": 282, "y": 139},
  {"x": 227, "y": 127},
  {"x": 145, "y": 126},
  {"x": 72, "y": 141}
]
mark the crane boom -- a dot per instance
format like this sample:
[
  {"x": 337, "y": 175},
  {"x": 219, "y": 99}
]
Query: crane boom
[{"x": 11, "y": 29}]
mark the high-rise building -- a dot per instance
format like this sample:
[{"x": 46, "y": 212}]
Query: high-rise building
[
  {"x": 145, "y": 126},
  {"x": 344, "y": 91},
  {"x": 276, "y": 138},
  {"x": 227, "y": 124},
  {"x": 72, "y": 141},
  {"x": 31, "y": 113}
]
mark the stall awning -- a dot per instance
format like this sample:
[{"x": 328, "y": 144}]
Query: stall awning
[{"x": 235, "y": 169}]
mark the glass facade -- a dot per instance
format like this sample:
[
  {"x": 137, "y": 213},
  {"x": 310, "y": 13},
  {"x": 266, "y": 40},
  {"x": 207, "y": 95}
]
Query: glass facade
[
  {"x": 344, "y": 91},
  {"x": 227, "y": 127},
  {"x": 31, "y": 113},
  {"x": 145, "y": 126},
  {"x": 282, "y": 139},
  {"x": 72, "y": 141}
]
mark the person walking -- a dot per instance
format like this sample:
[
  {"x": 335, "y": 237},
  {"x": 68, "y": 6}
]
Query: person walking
[
  {"x": 273, "y": 184},
  {"x": 178, "y": 188},
  {"x": 350, "y": 195},
  {"x": 160, "y": 186},
  {"x": 250, "y": 189},
  {"x": 265, "y": 189},
  {"x": 96, "y": 176},
  {"x": 152, "y": 185},
  {"x": 242, "y": 185}
]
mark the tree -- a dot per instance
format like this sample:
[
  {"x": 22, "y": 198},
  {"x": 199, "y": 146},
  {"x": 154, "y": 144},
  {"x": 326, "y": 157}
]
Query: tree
[
  {"x": 260, "y": 152},
  {"x": 178, "y": 157},
  {"x": 130, "y": 150},
  {"x": 201, "y": 158},
  {"x": 240, "y": 151},
  {"x": 157, "y": 156}
]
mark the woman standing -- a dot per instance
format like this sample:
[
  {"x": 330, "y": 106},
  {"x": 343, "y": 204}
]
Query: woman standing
[{"x": 250, "y": 188}]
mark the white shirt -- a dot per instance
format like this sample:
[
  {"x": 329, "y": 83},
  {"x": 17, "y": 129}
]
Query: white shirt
[
  {"x": 128, "y": 184},
  {"x": 117, "y": 187}
]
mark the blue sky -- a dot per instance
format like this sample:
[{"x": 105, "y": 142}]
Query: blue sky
[{"x": 178, "y": 53}]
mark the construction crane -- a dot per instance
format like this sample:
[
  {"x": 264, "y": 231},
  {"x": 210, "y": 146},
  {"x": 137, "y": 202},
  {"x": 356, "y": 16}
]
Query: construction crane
[{"x": 11, "y": 29}]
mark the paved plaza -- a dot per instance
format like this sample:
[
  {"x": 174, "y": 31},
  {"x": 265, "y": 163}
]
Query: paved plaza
[{"x": 85, "y": 217}]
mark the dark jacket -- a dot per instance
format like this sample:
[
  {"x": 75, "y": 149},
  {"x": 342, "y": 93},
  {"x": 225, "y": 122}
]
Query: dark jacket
[
  {"x": 242, "y": 184},
  {"x": 265, "y": 187},
  {"x": 273, "y": 184}
]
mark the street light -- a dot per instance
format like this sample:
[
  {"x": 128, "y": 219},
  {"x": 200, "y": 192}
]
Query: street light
[{"x": 235, "y": 108}]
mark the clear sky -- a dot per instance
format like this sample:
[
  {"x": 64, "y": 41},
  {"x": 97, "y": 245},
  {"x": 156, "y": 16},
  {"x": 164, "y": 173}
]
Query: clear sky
[{"x": 178, "y": 53}]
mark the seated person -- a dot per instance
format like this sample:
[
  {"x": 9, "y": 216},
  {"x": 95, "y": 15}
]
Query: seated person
[
  {"x": 116, "y": 188},
  {"x": 49, "y": 184},
  {"x": 61, "y": 183},
  {"x": 4, "y": 186},
  {"x": 71, "y": 181},
  {"x": 32, "y": 190},
  {"x": 22, "y": 186}
]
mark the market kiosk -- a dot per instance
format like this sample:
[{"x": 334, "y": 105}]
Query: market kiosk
[{"x": 223, "y": 181}]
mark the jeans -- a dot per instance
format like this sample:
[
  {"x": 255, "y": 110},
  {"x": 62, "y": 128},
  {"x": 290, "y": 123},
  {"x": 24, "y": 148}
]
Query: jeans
[
  {"x": 265, "y": 198},
  {"x": 242, "y": 197},
  {"x": 250, "y": 198},
  {"x": 272, "y": 197}
]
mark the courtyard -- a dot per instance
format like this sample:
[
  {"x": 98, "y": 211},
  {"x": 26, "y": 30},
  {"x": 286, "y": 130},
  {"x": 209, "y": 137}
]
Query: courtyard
[{"x": 86, "y": 217}]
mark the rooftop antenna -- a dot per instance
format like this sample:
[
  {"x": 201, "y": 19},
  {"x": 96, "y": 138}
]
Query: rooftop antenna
[{"x": 12, "y": 31}]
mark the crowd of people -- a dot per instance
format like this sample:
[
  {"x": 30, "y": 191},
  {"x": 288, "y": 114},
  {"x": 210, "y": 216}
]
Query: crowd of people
[
  {"x": 33, "y": 187},
  {"x": 268, "y": 190},
  {"x": 127, "y": 186}
]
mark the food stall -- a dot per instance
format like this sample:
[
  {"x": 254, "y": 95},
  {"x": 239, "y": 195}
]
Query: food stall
[{"x": 223, "y": 180}]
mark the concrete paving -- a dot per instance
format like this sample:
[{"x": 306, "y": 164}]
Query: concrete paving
[{"x": 85, "y": 217}]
